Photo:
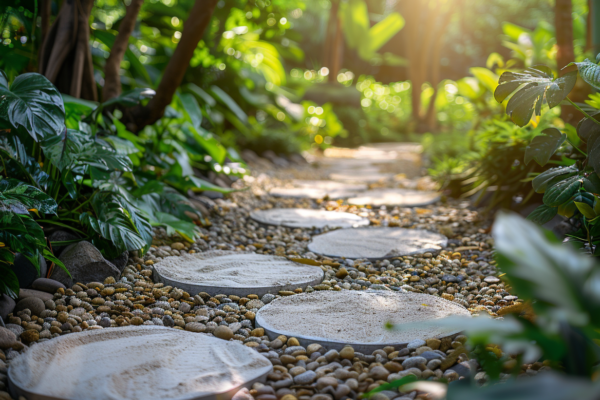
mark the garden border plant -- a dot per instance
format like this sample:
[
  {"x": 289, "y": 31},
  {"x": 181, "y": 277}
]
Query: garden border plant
[{"x": 570, "y": 191}]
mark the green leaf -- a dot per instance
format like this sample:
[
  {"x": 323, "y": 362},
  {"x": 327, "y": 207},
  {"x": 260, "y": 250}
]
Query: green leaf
[
  {"x": 16, "y": 196},
  {"x": 530, "y": 88},
  {"x": 188, "y": 230},
  {"x": 32, "y": 104},
  {"x": 230, "y": 103},
  {"x": 486, "y": 77},
  {"x": 589, "y": 132},
  {"x": 392, "y": 385},
  {"x": 586, "y": 210},
  {"x": 542, "y": 214},
  {"x": 9, "y": 283},
  {"x": 192, "y": 109},
  {"x": 589, "y": 72},
  {"x": 552, "y": 176},
  {"x": 49, "y": 256},
  {"x": 131, "y": 97},
  {"x": 382, "y": 32},
  {"x": 543, "y": 146},
  {"x": 207, "y": 98},
  {"x": 562, "y": 191}
]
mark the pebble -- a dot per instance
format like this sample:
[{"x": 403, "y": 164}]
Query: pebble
[
  {"x": 223, "y": 332},
  {"x": 34, "y": 304},
  {"x": 305, "y": 378},
  {"x": 7, "y": 338}
]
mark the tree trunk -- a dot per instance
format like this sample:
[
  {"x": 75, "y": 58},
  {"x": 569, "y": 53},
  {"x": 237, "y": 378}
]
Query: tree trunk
[
  {"x": 112, "y": 79},
  {"x": 45, "y": 14},
  {"x": 66, "y": 58},
  {"x": 337, "y": 52},
  {"x": 193, "y": 30},
  {"x": 563, "y": 17}
]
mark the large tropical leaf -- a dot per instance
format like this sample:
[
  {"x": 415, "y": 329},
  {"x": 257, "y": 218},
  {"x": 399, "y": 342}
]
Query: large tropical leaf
[
  {"x": 16, "y": 196},
  {"x": 113, "y": 222},
  {"x": 188, "y": 230},
  {"x": 543, "y": 146},
  {"x": 530, "y": 88},
  {"x": 32, "y": 104},
  {"x": 589, "y": 131}
]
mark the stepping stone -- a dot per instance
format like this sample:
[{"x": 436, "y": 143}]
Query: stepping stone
[
  {"x": 362, "y": 176},
  {"x": 134, "y": 363},
  {"x": 329, "y": 185},
  {"x": 358, "y": 318},
  {"x": 375, "y": 243},
  {"x": 229, "y": 272},
  {"x": 310, "y": 193},
  {"x": 399, "y": 147},
  {"x": 307, "y": 218},
  {"x": 395, "y": 197}
]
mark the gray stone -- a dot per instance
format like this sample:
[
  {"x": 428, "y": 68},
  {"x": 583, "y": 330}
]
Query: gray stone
[
  {"x": 415, "y": 344},
  {"x": 7, "y": 338},
  {"x": 25, "y": 293},
  {"x": 61, "y": 236},
  {"x": 85, "y": 263},
  {"x": 463, "y": 369},
  {"x": 7, "y": 305},
  {"x": 16, "y": 329},
  {"x": 415, "y": 362},
  {"x": 449, "y": 278},
  {"x": 121, "y": 261},
  {"x": 34, "y": 304},
  {"x": 431, "y": 355},
  {"x": 267, "y": 298},
  {"x": 305, "y": 378},
  {"x": 47, "y": 285}
]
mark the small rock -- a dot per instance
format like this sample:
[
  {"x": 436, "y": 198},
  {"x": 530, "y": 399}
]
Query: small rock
[
  {"x": 30, "y": 335},
  {"x": 177, "y": 246},
  {"x": 347, "y": 353},
  {"x": 223, "y": 332},
  {"x": 34, "y": 304},
  {"x": 305, "y": 378},
  {"x": 267, "y": 298},
  {"x": 379, "y": 373},
  {"x": 7, "y": 338},
  {"x": 434, "y": 344},
  {"x": 415, "y": 362},
  {"x": 85, "y": 264},
  {"x": 25, "y": 293},
  {"x": 254, "y": 304},
  {"x": 47, "y": 285},
  {"x": 415, "y": 344},
  {"x": 341, "y": 273},
  {"x": 196, "y": 327}
]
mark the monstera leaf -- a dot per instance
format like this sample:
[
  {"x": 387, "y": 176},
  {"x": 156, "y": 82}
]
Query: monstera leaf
[
  {"x": 32, "y": 104},
  {"x": 543, "y": 146},
  {"x": 16, "y": 196},
  {"x": 530, "y": 89}
]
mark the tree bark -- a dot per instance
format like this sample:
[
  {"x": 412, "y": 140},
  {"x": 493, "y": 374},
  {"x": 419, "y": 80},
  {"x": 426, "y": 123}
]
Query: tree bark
[
  {"x": 193, "y": 30},
  {"x": 66, "y": 58},
  {"x": 563, "y": 18},
  {"x": 337, "y": 52},
  {"x": 112, "y": 79},
  {"x": 45, "y": 14}
]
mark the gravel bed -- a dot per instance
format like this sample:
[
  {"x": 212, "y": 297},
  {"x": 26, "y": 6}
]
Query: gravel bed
[{"x": 464, "y": 272}]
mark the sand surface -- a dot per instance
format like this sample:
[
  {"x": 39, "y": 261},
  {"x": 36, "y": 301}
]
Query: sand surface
[
  {"x": 306, "y": 218},
  {"x": 311, "y": 193},
  {"x": 376, "y": 242},
  {"x": 395, "y": 197},
  {"x": 358, "y": 317},
  {"x": 236, "y": 270},
  {"x": 142, "y": 363}
]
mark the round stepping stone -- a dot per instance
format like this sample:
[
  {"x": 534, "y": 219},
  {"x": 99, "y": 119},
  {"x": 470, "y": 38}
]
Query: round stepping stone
[
  {"x": 229, "y": 272},
  {"x": 399, "y": 147},
  {"x": 132, "y": 363},
  {"x": 329, "y": 185},
  {"x": 306, "y": 218},
  {"x": 395, "y": 197},
  {"x": 311, "y": 193},
  {"x": 375, "y": 243},
  {"x": 362, "y": 176},
  {"x": 358, "y": 318}
]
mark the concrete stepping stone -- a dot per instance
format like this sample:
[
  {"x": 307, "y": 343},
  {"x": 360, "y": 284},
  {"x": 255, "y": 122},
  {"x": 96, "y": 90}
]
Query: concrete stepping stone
[
  {"x": 229, "y": 272},
  {"x": 365, "y": 175},
  {"x": 375, "y": 243},
  {"x": 358, "y": 318},
  {"x": 307, "y": 218},
  {"x": 329, "y": 185},
  {"x": 395, "y": 197},
  {"x": 399, "y": 147},
  {"x": 312, "y": 193},
  {"x": 135, "y": 363}
]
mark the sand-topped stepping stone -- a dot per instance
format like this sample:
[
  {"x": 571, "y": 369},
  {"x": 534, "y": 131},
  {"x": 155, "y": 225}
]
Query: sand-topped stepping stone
[
  {"x": 136, "y": 363},
  {"x": 229, "y": 272},
  {"x": 374, "y": 243},
  {"x": 399, "y": 147},
  {"x": 358, "y": 318},
  {"x": 370, "y": 175},
  {"x": 306, "y": 218},
  {"x": 395, "y": 197},
  {"x": 313, "y": 189}
]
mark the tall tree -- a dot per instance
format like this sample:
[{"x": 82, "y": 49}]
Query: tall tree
[
  {"x": 563, "y": 19},
  {"x": 65, "y": 57},
  {"x": 193, "y": 30},
  {"x": 112, "y": 80}
]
